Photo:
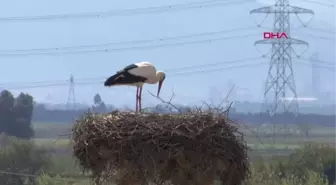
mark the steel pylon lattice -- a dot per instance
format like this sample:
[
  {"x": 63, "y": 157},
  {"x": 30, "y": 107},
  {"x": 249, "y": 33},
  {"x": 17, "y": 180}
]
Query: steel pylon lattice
[
  {"x": 71, "y": 103},
  {"x": 280, "y": 89}
]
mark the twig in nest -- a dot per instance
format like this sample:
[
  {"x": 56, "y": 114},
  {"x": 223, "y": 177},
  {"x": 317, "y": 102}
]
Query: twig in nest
[
  {"x": 61, "y": 135},
  {"x": 64, "y": 134},
  {"x": 167, "y": 102},
  {"x": 208, "y": 105},
  {"x": 228, "y": 108},
  {"x": 219, "y": 108},
  {"x": 227, "y": 97},
  {"x": 145, "y": 109}
]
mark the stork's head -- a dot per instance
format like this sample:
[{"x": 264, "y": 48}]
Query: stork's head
[{"x": 161, "y": 76}]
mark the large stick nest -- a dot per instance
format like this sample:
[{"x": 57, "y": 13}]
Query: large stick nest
[{"x": 131, "y": 148}]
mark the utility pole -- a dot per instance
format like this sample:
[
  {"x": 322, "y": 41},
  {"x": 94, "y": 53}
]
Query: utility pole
[
  {"x": 71, "y": 103},
  {"x": 280, "y": 89}
]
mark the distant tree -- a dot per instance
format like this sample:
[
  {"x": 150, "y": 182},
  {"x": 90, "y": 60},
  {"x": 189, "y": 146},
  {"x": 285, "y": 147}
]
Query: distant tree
[
  {"x": 163, "y": 108},
  {"x": 184, "y": 109},
  {"x": 6, "y": 110},
  {"x": 97, "y": 99},
  {"x": 330, "y": 173},
  {"x": 16, "y": 115},
  {"x": 305, "y": 128},
  {"x": 99, "y": 105},
  {"x": 23, "y": 112}
]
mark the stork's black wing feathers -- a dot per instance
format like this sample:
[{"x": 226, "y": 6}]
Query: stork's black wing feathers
[
  {"x": 124, "y": 77},
  {"x": 129, "y": 67}
]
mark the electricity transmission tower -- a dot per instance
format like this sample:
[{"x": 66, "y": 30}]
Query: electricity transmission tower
[
  {"x": 280, "y": 89},
  {"x": 71, "y": 103}
]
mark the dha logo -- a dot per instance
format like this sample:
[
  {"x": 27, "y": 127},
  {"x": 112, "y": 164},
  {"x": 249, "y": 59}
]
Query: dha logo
[{"x": 271, "y": 35}]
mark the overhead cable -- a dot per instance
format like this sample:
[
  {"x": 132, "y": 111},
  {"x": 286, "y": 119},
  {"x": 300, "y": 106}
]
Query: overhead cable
[
  {"x": 143, "y": 41},
  {"x": 108, "y": 50},
  {"x": 171, "y": 72},
  {"x": 128, "y": 12}
]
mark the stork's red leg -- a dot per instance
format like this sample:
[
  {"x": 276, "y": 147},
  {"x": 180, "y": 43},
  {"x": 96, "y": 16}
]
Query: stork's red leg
[
  {"x": 140, "y": 94},
  {"x": 137, "y": 98}
]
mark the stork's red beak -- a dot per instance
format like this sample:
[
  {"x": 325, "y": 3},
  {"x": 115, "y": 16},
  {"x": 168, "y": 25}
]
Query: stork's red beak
[{"x": 159, "y": 88}]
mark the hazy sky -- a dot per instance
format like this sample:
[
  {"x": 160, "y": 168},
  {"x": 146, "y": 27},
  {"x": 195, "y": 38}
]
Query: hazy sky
[{"x": 188, "y": 87}]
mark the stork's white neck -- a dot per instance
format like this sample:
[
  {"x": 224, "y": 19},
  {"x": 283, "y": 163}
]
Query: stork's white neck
[{"x": 153, "y": 79}]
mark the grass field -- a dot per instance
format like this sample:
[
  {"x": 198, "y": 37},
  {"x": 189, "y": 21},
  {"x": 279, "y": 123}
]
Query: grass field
[
  {"x": 54, "y": 135},
  {"x": 258, "y": 138}
]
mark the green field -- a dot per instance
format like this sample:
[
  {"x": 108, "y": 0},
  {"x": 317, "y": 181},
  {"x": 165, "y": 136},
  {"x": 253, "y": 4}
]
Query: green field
[{"x": 55, "y": 135}]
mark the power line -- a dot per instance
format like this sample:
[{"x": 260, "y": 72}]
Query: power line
[
  {"x": 317, "y": 66},
  {"x": 33, "y": 175},
  {"x": 317, "y": 60},
  {"x": 143, "y": 41},
  {"x": 107, "y": 50},
  {"x": 18, "y": 174},
  {"x": 171, "y": 70},
  {"x": 319, "y": 3},
  {"x": 320, "y": 29},
  {"x": 58, "y": 50},
  {"x": 305, "y": 26},
  {"x": 174, "y": 75},
  {"x": 312, "y": 28},
  {"x": 97, "y": 80},
  {"x": 125, "y": 12},
  {"x": 205, "y": 71},
  {"x": 331, "y": 39},
  {"x": 214, "y": 64},
  {"x": 306, "y": 63},
  {"x": 177, "y": 71}
]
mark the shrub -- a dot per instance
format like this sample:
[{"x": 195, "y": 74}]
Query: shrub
[
  {"x": 47, "y": 180},
  {"x": 21, "y": 157},
  {"x": 305, "y": 166}
]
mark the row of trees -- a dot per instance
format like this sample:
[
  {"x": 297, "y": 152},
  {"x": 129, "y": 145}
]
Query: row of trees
[
  {"x": 16, "y": 114},
  {"x": 41, "y": 114},
  {"x": 19, "y": 155}
]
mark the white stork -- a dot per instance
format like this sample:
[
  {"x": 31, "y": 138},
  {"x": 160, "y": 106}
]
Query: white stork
[{"x": 137, "y": 75}]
